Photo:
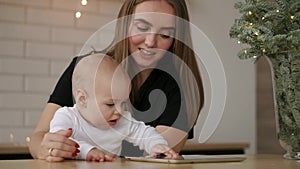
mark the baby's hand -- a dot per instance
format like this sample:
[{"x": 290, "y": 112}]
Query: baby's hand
[
  {"x": 163, "y": 151},
  {"x": 99, "y": 156}
]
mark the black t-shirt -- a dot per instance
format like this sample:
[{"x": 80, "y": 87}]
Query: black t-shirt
[
  {"x": 160, "y": 101},
  {"x": 62, "y": 94}
]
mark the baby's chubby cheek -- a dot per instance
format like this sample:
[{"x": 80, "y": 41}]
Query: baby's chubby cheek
[{"x": 99, "y": 122}]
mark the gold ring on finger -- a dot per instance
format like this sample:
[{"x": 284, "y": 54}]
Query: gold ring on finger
[{"x": 50, "y": 151}]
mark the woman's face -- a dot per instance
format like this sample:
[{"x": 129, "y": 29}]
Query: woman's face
[{"x": 151, "y": 32}]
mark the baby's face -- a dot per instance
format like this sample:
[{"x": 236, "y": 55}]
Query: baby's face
[{"x": 110, "y": 97}]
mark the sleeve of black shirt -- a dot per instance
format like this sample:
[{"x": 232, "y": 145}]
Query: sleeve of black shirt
[{"x": 62, "y": 93}]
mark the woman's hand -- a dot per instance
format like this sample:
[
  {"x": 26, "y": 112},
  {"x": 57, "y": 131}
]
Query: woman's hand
[
  {"x": 57, "y": 146},
  {"x": 99, "y": 156},
  {"x": 176, "y": 138},
  {"x": 163, "y": 151}
]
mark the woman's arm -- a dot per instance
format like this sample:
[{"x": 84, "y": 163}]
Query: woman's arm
[
  {"x": 42, "y": 140},
  {"x": 176, "y": 138},
  {"x": 41, "y": 129}
]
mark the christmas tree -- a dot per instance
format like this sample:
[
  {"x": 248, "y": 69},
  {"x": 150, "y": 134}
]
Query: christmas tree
[
  {"x": 268, "y": 27},
  {"x": 272, "y": 29}
]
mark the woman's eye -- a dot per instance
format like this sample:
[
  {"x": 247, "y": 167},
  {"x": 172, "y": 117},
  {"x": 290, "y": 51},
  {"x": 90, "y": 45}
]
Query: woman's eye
[
  {"x": 165, "y": 36},
  {"x": 143, "y": 29}
]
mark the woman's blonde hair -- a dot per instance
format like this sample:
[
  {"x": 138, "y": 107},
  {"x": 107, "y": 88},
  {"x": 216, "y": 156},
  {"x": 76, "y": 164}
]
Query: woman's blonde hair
[{"x": 191, "y": 84}]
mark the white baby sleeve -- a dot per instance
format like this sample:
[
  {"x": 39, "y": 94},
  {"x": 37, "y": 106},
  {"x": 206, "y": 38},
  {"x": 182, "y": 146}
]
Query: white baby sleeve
[
  {"x": 61, "y": 120},
  {"x": 144, "y": 136}
]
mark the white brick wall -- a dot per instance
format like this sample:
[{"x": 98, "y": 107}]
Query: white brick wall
[
  {"x": 11, "y": 47},
  {"x": 38, "y": 39}
]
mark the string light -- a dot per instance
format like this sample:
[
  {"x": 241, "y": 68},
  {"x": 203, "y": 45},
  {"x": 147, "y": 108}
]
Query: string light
[
  {"x": 245, "y": 51},
  {"x": 250, "y": 13},
  {"x": 239, "y": 42},
  {"x": 256, "y": 33},
  {"x": 254, "y": 57},
  {"x": 84, "y": 2},
  {"x": 263, "y": 50},
  {"x": 263, "y": 18},
  {"x": 292, "y": 17},
  {"x": 277, "y": 10},
  {"x": 27, "y": 139},
  {"x": 11, "y": 137},
  {"x": 78, "y": 15}
]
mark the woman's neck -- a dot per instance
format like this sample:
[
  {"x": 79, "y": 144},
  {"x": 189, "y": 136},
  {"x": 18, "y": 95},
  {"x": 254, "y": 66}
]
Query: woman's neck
[{"x": 142, "y": 76}]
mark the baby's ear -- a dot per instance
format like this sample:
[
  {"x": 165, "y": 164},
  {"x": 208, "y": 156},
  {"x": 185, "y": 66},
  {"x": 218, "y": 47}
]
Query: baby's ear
[{"x": 81, "y": 97}]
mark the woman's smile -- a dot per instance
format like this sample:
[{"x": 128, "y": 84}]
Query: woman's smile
[{"x": 147, "y": 53}]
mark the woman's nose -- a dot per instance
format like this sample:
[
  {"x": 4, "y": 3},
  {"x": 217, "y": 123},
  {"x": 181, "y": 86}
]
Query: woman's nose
[{"x": 150, "y": 40}]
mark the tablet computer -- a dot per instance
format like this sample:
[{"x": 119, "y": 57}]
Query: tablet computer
[{"x": 191, "y": 159}]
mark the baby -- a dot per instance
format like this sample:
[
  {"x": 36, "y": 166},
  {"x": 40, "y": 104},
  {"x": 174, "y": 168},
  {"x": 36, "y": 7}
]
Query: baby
[{"x": 98, "y": 119}]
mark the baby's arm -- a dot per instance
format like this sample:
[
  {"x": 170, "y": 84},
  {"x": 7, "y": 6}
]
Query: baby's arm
[
  {"x": 63, "y": 120},
  {"x": 89, "y": 152},
  {"x": 147, "y": 138}
]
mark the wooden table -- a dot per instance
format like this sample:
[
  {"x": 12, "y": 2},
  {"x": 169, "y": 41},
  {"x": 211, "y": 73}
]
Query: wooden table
[
  {"x": 252, "y": 162},
  {"x": 11, "y": 151}
]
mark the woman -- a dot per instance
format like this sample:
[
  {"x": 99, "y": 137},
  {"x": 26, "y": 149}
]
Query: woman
[{"x": 149, "y": 46}]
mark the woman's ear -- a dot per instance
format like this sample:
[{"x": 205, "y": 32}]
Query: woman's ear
[{"x": 81, "y": 98}]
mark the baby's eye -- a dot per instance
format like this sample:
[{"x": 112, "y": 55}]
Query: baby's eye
[{"x": 110, "y": 104}]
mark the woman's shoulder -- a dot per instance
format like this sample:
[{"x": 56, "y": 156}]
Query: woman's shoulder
[{"x": 73, "y": 63}]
